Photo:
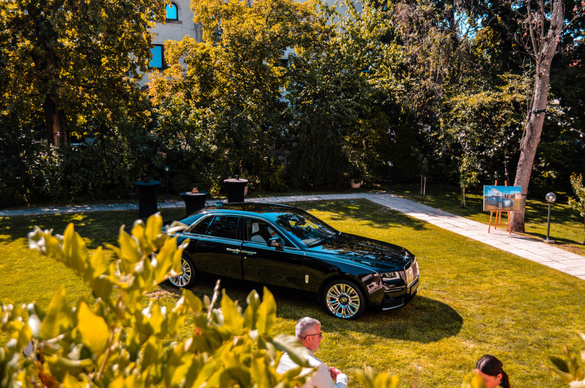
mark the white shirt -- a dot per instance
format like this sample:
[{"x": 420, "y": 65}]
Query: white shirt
[{"x": 320, "y": 379}]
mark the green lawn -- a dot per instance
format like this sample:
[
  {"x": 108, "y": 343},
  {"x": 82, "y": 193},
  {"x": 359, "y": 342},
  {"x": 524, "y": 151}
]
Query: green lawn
[
  {"x": 566, "y": 226},
  {"x": 473, "y": 299}
]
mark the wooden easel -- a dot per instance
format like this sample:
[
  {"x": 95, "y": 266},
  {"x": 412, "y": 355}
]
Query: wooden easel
[{"x": 498, "y": 218}]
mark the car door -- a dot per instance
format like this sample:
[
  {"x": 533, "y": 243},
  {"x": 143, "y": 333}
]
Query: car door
[
  {"x": 219, "y": 247},
  {"x": 281, "y": 266}
]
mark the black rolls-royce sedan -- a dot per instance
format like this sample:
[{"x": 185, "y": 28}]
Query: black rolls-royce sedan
[{"x": 285, "y": 246}]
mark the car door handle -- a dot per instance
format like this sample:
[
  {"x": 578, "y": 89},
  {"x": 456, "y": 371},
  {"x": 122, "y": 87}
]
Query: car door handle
[
  {"x": 232, "y": 250},
  {"x": 249, "y": 253}
]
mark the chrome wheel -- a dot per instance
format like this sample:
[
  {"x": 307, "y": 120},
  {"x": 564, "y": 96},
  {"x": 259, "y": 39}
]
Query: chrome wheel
[
  {"x": 344, "y": 300},
  {"x": 187, "y": 277}
]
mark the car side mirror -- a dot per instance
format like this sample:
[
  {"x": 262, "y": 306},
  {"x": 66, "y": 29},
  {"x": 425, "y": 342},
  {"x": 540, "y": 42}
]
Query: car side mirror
[{"x": 275, "y": 242}]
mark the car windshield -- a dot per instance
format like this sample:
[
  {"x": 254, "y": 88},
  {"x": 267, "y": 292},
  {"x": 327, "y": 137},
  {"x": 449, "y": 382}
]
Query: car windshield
[{"x": 310, "y": 230}]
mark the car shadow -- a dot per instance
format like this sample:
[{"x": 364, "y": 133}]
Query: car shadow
[{"x": 423, "y": 320}]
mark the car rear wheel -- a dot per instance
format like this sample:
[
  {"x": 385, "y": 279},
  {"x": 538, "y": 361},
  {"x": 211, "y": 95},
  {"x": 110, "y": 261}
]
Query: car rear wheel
[
  {"x": 188, "y": 276},
  {"x": 344, "y": 299}
]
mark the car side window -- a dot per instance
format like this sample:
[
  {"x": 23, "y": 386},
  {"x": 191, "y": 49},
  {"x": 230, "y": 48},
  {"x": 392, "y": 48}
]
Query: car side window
[
  {"x": 261, "y": 232},
  {"x": 201, "y": 227},
  {"x": 223, "y": 226}
]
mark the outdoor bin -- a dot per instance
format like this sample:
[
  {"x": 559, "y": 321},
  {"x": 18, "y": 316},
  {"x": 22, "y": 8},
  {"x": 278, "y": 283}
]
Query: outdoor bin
[
  {"x": 147, "y": 197},
  {"x": 194, "y": 201},
  {"x": 235, "y": 189}
]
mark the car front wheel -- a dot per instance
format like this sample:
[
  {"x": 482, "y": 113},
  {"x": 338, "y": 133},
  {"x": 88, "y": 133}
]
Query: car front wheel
[
  {"x": 187, "y": 278},
  {"x": 344, "y": 299}
]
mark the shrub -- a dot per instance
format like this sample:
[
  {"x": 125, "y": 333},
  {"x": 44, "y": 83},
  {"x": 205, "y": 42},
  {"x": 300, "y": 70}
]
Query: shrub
[
  {"x": 578, "y": 203},
  {"x": 113, "y": 341},
  {"x": 568, "y": 369}
]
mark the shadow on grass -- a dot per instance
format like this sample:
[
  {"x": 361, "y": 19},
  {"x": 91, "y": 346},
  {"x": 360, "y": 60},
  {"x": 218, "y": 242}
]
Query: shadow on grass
[
  {"x": 423, "y": 320},
  {"x": 103, "y": 227},
  {"x": 376, "y": 216}
]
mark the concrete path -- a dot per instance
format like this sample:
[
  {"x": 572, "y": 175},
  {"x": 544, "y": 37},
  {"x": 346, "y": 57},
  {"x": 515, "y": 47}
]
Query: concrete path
[{"x": 535, "y": 250}]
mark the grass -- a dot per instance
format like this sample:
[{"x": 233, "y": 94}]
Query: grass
[
  {"x": 566, "y": 227},
  {"x": 473, "y": 299}
]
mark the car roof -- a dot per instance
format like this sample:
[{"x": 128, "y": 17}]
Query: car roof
[
  {"x": 253, "y": 207},
  {"x": 244, "y": 209}
]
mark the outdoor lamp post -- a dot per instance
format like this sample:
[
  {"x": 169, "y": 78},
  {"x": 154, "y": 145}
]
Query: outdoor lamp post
[
  {"x": 550, "y": 198},
  {"x": 167, "y": 179},
  {"x": 390, "y": 176}
]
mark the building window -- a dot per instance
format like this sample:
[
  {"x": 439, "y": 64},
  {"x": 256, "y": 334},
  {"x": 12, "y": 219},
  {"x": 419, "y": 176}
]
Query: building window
[
  {"x": 158, "y": 60},
  {"x": 172, "y": 12}
]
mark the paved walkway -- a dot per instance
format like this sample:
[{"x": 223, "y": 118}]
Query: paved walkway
[{"x": 537, "y": 251}]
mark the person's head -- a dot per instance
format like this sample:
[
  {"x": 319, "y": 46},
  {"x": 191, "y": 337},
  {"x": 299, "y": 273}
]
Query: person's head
[
  {"x": 308, "y": 331},
  {"x": 490, "y": 369}
]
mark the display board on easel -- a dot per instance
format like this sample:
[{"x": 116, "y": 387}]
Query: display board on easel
[{"x": 501, "y": 199}]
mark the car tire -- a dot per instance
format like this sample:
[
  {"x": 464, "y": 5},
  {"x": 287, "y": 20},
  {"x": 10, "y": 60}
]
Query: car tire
[
  {"x": 500, "y": 205},
  {"x": 344, "y": 299},
  {"x": 188, "y": 276}
]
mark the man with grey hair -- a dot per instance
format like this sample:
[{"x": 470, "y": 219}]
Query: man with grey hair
[{"x": 308, "y": 332}]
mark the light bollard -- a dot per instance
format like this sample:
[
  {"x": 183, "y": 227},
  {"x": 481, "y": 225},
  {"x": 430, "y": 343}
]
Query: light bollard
[{"x": 550, "y": 198}]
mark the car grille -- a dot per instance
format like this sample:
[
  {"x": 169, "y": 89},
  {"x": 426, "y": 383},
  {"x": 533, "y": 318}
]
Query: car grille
[{"x": 412, "y": 273}]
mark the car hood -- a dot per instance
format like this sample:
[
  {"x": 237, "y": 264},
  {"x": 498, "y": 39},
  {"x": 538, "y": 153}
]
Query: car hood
[{"x": 373, "y": 253}]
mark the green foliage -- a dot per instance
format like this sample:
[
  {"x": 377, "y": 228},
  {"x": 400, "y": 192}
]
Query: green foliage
[
  {"x": 345, "y": 97},
  {"x": 369, "y": 378},
  {"x": 118, "y": 342},
  {"x": 482, "y": 130},
  {"x": 473, "y": 380},
  {"x": 230, "y": 95},
  {"x": 578, "y": 203},
  {"x": 568, "y": 368},
  {"x": 66, "y": 62}
]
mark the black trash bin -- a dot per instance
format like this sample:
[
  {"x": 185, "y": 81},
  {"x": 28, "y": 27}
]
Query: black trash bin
[
  {"x": 235, "y": 189},
  {"x": 194, "y": 201},
  {"x": 147, "y": 197}
]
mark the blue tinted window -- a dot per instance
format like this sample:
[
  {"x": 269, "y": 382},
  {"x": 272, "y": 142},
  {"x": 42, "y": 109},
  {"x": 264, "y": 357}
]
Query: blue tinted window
[
  {"x": 172, "y": 13},
  {"x": 157, "y": 60}
]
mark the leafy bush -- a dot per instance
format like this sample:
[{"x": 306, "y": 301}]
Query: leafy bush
[
  {"x": 568, "y": 369},
  {"x": 113, "y": 341},
  {"x": 578, "y": 203}
]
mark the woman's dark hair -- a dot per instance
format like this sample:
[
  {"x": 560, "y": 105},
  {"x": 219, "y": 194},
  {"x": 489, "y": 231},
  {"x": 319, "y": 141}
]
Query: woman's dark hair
[{"x": 491, "y": 366}]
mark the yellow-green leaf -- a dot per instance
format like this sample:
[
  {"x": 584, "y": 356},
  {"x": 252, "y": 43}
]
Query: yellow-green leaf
[
  {"x": 93, "y": 328},
  {"x": 266, "y": 313},
  {"x": 58, "y": 318}
]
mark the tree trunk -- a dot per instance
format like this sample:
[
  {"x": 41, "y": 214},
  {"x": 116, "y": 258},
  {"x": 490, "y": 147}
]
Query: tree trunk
[
  {"x": 54, "y": 120},
  {"x": 463, "y": 197},
  {"x": 544, "y": 49}
]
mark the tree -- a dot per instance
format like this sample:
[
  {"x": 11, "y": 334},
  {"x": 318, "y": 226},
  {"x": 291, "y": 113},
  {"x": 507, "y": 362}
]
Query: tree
[
  {"x": 345, "y": 98},
  {"x": 67, "y": 63},
  {"x": 543, "y": 27},
  {"x": 234, "y": 80},
  {"x": 483, "y": 125}
]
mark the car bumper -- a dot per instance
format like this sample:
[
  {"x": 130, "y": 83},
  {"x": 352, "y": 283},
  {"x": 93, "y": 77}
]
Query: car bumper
[{"x": 396, "y": 299}]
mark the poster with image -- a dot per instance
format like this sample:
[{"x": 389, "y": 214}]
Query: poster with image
[{"x": 502, "y": 198}]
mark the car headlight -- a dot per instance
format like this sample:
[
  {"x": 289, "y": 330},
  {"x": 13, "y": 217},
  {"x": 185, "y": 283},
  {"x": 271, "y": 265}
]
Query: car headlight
[{"x": 387, "y": 276}]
